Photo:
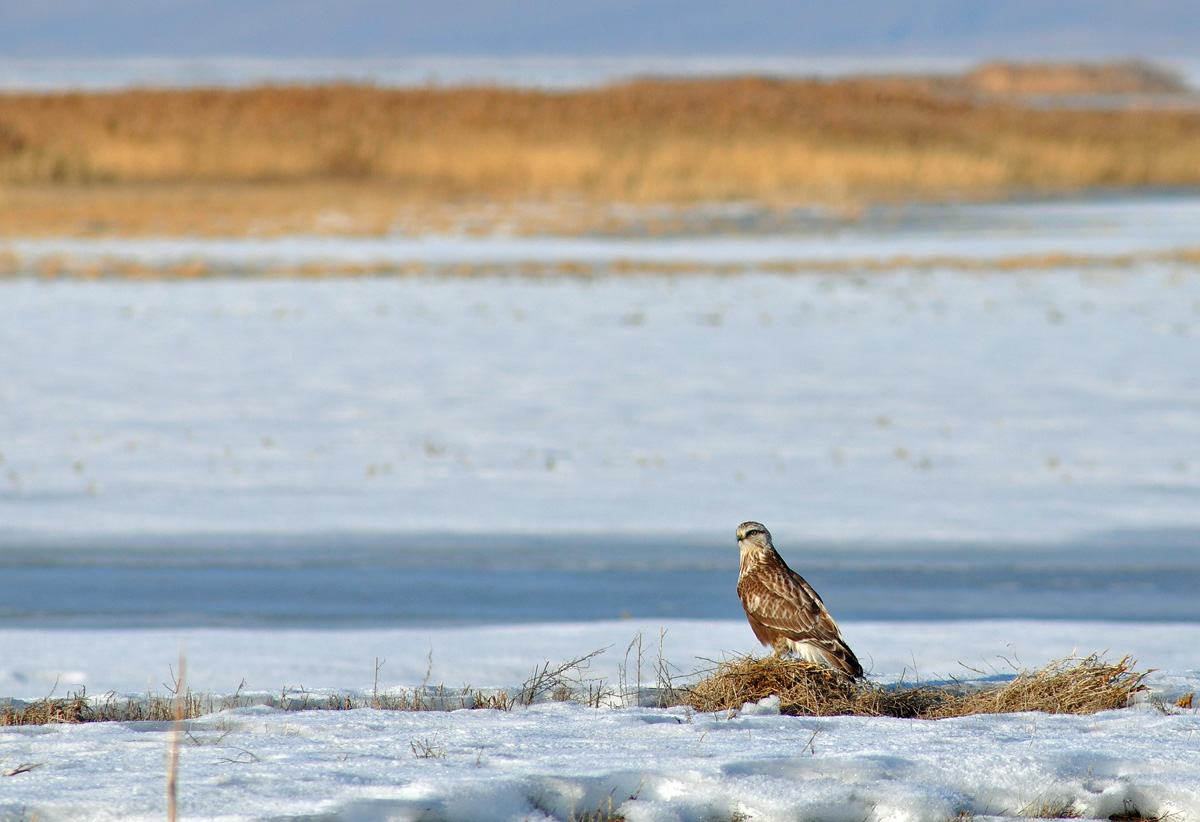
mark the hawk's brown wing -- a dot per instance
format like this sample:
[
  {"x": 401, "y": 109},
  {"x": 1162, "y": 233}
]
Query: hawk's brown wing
[{"x": 781, "y": 605}]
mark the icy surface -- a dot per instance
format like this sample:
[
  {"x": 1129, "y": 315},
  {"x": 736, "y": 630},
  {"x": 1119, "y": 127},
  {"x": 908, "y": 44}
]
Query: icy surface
[
  {"x": 1012, "y": 406},
  {"x": 562, "y": 760}
]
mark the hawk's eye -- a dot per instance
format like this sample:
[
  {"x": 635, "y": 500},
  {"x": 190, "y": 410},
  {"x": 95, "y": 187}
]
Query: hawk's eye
[{"x": 752, "y": 532}]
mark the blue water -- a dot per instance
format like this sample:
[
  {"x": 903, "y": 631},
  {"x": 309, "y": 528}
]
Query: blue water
[{"x": 350, "y": 581}]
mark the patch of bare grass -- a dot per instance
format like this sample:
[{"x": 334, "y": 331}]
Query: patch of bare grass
[
  {"x": 1131, "y": 813},
  {"x": 1050, "y": 808},
  {"x": 78, "y": 708},
  {"x": 1066, "y": 686},
  {"x": 565, "y": 682},
  {"x": 1073, "y": 685},
  {"x": 427, "y": 749}
]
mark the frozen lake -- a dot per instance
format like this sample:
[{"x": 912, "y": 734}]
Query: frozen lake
[
  {"x": 928, "y": 442},
  {"x": 356, "y": 583}
]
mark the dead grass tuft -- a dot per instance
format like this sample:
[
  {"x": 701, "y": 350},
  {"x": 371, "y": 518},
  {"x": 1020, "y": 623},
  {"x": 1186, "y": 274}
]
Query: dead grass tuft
[
  {"x": 427, "y": 748},
  {"x": 77, "y": 708},
  {"x": 1066, "y": 686},
  {"x": 565, "y": 682},
  {"x": 1131, "y": 813},
  {"x": 1053, "y": 808},
  {"x": 1073, "y": 685},
  {"x": 804, "y": 689},
  {"x": 604, "y": 813}
]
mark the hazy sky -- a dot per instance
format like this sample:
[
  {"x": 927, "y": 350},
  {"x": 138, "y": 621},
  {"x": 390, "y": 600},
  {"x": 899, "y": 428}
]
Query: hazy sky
[{"x": 401, "y": 29}]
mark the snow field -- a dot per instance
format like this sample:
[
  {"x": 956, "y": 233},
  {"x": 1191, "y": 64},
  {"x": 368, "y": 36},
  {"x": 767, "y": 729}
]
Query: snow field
[
  {"x": 1039, "y": 406},
  {"x": 555, "y": 760},
  {"x": 1006, "y": 408},
  {"x": 560, "y": 760},
  {"x": 34, "y": 662}
]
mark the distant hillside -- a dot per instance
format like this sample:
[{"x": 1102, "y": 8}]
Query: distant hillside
[{"x": 375, "y": 28}]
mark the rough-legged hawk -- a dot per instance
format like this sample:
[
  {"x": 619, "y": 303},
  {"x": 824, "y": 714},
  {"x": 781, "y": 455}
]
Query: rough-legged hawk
[{"x": 784, "y": 611}]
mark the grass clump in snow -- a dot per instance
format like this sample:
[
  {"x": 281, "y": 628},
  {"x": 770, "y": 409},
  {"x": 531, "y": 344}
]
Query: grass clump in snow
[
  {"x": 1131, "y": 813},
  {"x": 1072, "y": 685},
  {"x": 804, "y": 689},
  {"x": 1050, "y": 808},
  {"x": 77, "y": 708},
  {"x": 1066, "y": 686}
]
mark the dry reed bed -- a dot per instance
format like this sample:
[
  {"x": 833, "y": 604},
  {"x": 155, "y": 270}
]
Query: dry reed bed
[{"x": 374, "y": 155}]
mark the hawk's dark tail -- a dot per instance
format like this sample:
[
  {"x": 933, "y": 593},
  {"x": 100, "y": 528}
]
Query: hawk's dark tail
[{"x": 842, "y": 658}]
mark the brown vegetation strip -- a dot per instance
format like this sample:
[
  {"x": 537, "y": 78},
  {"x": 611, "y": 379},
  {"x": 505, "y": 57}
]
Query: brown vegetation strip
[
  {"x": 56, "y": 266},
  {"x": 361, "y": 159},
  {"x": 1075, "y": 686},
  {"x": 79, "y": 708}
]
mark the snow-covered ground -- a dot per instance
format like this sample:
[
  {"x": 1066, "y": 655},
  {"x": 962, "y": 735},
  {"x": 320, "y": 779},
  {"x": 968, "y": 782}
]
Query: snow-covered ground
[
  {"x": 1008, "y": 406},
  {"x": 564, "y": 760},
  {"x": 134, "y": 661},
  {"x": 561, "y": 761},
  {"x": 928, "y": 444}
]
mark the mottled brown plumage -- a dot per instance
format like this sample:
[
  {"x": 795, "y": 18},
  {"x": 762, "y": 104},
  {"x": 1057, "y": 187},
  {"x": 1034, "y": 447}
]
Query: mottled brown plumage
[{"x": 784, "y": 611}]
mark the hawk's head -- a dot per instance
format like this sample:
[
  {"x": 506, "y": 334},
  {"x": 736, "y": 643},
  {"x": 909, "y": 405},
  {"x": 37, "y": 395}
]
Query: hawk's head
[{"x": 752, "y": 535}]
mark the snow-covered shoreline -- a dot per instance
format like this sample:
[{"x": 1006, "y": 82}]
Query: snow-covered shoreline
[
  {"x": 561, "y": 760},
  {"x": 35, "y": 662}
]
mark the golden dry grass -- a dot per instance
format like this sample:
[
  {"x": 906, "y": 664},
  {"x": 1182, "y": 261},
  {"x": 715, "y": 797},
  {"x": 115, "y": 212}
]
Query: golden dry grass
[
  {"x": 804, "y": 689},
  {"x": 1076, "y": 686},
  {"x": 77, "y": 708},
  {"x": 363, "y": 159}
]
